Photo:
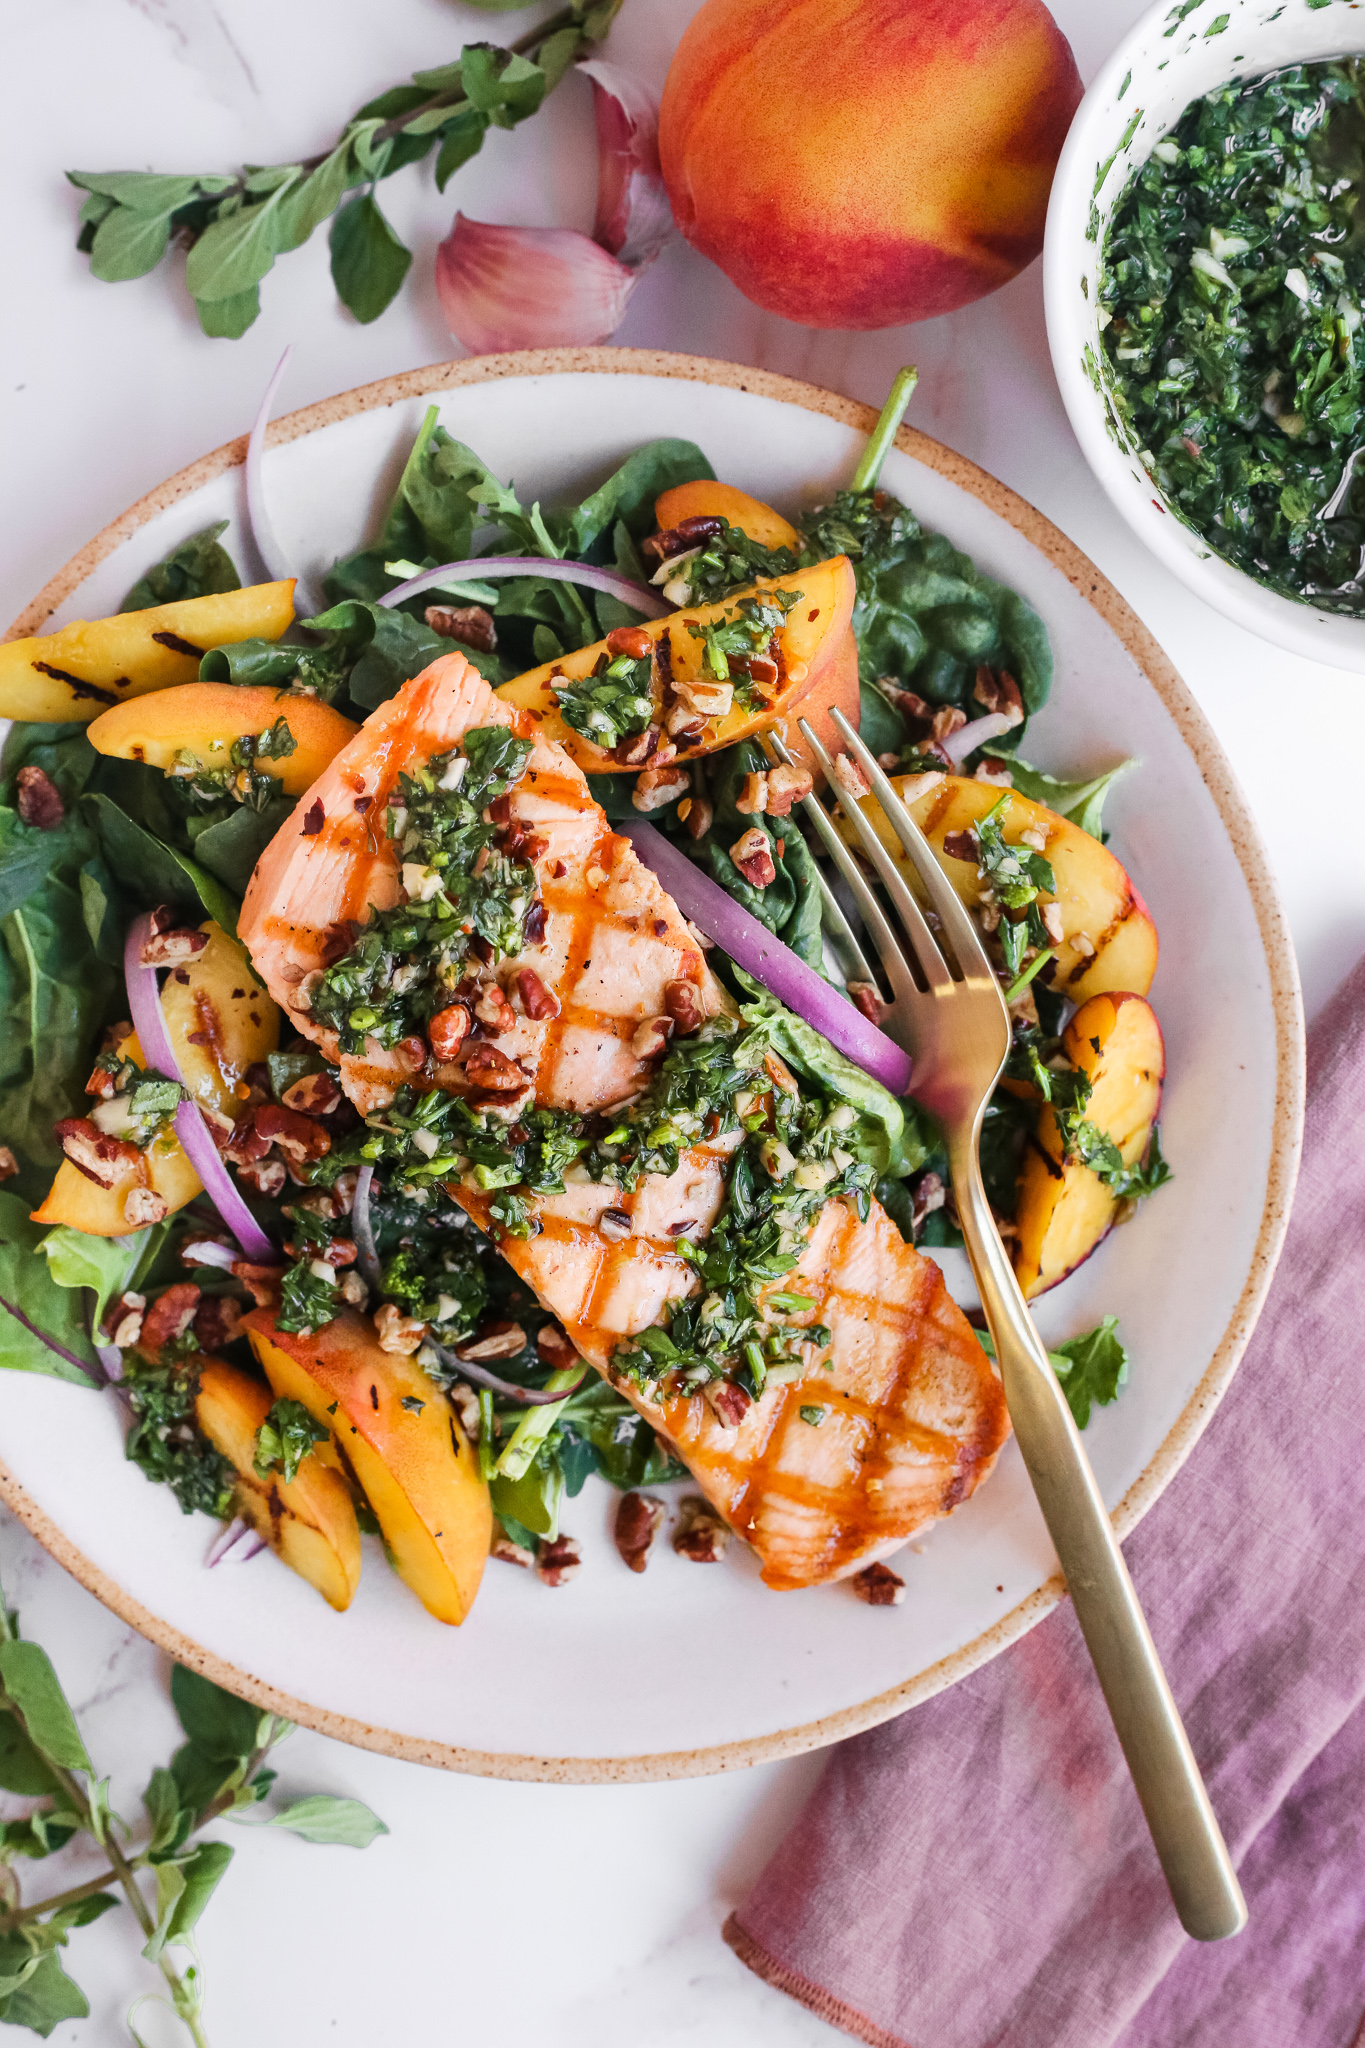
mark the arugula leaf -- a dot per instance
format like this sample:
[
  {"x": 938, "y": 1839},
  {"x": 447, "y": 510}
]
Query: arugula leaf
[
  {"x": 1091, "y": 1368},
  {"x": 29, "y": 1680},
  {"x": 321, "y": 1817},
  {"x": 369, "y": 262},
  {"x": 106, "y": 1265},
  {"x": 1082, "y": 802},
  {"x": 532, "y": 1499},
  {"x": 198, "y": 567},
  {"x": 218, "y": 1724}
]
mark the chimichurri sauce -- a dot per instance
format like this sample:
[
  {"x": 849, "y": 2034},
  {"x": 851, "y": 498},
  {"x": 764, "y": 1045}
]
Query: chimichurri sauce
[{"x": 1230, "y": 308}]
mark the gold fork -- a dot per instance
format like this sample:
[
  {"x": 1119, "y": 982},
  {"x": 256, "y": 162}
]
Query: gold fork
[{"x": 957, "y": 1031}]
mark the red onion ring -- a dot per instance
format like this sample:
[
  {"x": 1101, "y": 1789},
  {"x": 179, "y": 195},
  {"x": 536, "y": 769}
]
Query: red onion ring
[
  {"x": 634, "y": 594},
  {"x": 528, "y": 1396},
  {"x": 968, "y": 738},
  {"x": 236, "y": 1543},
  {"x": 257, "y": 512},
  {"x": 362, "y": 1231},
  {"x": 752, "y": 946},
  {"x": 144, "y": 1003}
]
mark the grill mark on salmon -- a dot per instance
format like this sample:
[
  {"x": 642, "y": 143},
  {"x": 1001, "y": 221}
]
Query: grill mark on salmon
[{"x": 914, "y": 1412}]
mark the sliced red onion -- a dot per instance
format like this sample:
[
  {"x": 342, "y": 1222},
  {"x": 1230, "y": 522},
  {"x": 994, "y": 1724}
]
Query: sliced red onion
[
  {"x": 634, "y": 218},
  {"x": 257, "y": 512},
  {"x": 635, "y": 595},
  {"x": 968, "y": 738},
  {"x": 528, "y": 1396},
  {"x": 235, "y": 1543},
  {"x": 508, "y": 288},
  {"x": 362, "y": 1230},
  {"x": 144, "y": 1003},
  {"x": 752, "y": 946}
]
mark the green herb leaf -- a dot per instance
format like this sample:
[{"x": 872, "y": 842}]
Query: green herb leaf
[
  {"x": 46, "y": 1997},
  {"x": 182, "y": 1891},
  {"x": 31, "y": 1683},
  {"x": 1091, "y": 1368},
  {"x": 228, "y": 318},
  {"x": 369, "y": 262},
  {"x": 322, "y": 1818},
  {"x": 128, "y": 245},
  {"x": 286, "y": 1437},
  {"x": 217, "y": 1722}
]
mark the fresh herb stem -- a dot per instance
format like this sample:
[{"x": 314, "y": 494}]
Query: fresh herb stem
[
  {"x": 531, "y": 1432},
  {"x": 1035, "y": 966},
  {"x": 884, "y": 433}
]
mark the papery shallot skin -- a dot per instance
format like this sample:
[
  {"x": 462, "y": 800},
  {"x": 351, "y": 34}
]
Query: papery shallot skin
[
  {"x": 509, "y": 288},
  {"x": 911, "y": 1413},
  {"x": 634, "y": 218}
]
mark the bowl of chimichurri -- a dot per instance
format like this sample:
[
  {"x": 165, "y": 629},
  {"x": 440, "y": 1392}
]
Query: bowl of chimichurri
[{"x": 1205, "y": 282}]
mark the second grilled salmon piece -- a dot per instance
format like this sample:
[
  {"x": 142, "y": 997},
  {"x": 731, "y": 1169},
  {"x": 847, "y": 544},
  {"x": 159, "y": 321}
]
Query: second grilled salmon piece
[{"x": 910, "y": 1413}]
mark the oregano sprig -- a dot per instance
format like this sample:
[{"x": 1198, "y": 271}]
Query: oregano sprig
[
  {"x": 234, "y": 226},
  {"x": 219, "y": 1773}
]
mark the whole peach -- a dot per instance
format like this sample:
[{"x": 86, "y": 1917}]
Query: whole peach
[{"x": 859, "y": 163}]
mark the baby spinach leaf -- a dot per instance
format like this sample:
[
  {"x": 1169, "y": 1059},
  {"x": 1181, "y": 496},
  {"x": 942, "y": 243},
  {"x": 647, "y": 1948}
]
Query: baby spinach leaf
[
  {"x": 53, "y": 993},
  {"x": 230, "y": 849},
  {"x": 154, "y": 872},
  {"x": 601, "y": 1432},
  {"x": 1091, "y": 1368},
  {"x": 369, "y": 262},
  {"x": 198, "y": 567},
  {"x": 629, "y": 492},
  {"x": 255, "y": 664},
  {"x": 790, "y": 905},
  {"x": 29, "y": 1680},
  {"x": 533, "y": 1498},
  {"x": 36, "y": 1313}
]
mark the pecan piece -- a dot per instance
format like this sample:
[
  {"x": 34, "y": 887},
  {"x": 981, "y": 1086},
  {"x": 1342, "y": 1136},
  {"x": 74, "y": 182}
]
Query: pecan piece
[
  {"x": 701, "y": 1536},
  {"x": 614, "y": 1225},
  {"x": 299, "y": 1137},
  {"x": 637, "y": 747},
  {"x": 996, "y": 690},
  {"x": 9, "y": 1165},
  {"x": 538, "y": 1001},
  {"x": 312, "y": 1095},
  {"x": 728, "y": 1402},
  {"x": 494, "y": 1340},
  {"x": 639, "y": 1519},
  {"x": 217, "y": 1321},
  {"x": 683, "y": 1003},
  {"x": 853, "y": 784},
  {"x": 699, "y": 816},
  {"x": 947, "y": 720},
  {"x": 558, "y": 1562},
  {"x": 170, "y": 1315},
  {"x": 164, "y": 949},
  {"x": 555, "y": 1347},
  {"x": 448, "y": 1030},
  {"x": 123, "y": 1320},
  {"x": 470, "y": 624},
  {"x": 879, "y": 1586},
  {"x": 868, "y": 1000},
  {"x": 101, "y": 1159},
  {"x": 787, "y": 785},
  {"x": 753, "y": 795},
  {"x": 508, "y": 1552},
  {"x": 142, "y": 1206},
  {"x": 753, "y": 856},
  {"x": 266, "y": 1176},
  {"x": 676, "y": 540},
  {"x": 38, "y": 800},
  {"x": 962, "y": 846},
  {"x": 658, "y": 787},
  {"x": 490, "y": 1069},
  {"x": 261, "y": 1282},
  {"x": 651, "y": 1037},
  {"x": 493, "y": 1010},
  {"x": 398, "y": 1334}
]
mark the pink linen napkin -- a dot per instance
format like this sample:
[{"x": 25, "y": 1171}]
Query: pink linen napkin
[{"x": 977, "y": 1873}]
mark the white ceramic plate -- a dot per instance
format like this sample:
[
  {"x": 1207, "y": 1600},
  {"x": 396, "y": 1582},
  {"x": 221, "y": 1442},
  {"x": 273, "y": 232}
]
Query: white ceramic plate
[{"x": 686, "y": 1670}]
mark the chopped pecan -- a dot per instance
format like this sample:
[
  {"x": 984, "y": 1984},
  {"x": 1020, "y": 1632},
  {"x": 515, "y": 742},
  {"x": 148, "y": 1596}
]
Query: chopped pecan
[
  {"x": 142, "y": 1206},
  {"x": 753, "y": 795},
  {"x": 262, "y": 1283},
  {"x": 995, "y": 690},
  {"x": 508, "y": 1552},
  {"x": 853, "y": 784},
  {"x": 470, "y": 624},
  {"x": 494, "y": 1340},
  {"x": 682, "y": 724},
  {"x": 868, "y": 1000},
  {"x": 533, "y": 924},
  {"x": 312, "y": 1095},
  {"x": 728, "y": 1402},
  {"x": 554, "y": 1346},
  {"x": 298, "y": 1137},
  {"x": 413, "y": 1052},
  {"x": 637, "y": 747},
  {"x": 787, "y": 785},
  {"x": 448, "y": 1030},
  {"x": 910, "y": 705},
  {"x": 753, "y": 856},
  {"x": 9, "y": 1165},
  {"x": 651, "y": 1037},
  {"x": 614, "y": 1225},
  {"x": 398, "y": 1334},
  {"x": 38, "y": 800},
  {"x": 558, "y": 1562},
  {"x": 340, "y": 1252},
  {"x": 682, "y": 1001},
  {"x": 170, "y": 1315},
  {"x": 701, "y": 1535},
  {"x": 631, "y": 640},
  {"x": 879, "y": 1586},
  {"x": 493, "y": 1010},
  {"x": 164, "y": 949},
  {"x": 465, "y": 1402},
  {"x": 995, "y": 772},
  {"x": 699, "y": 816},
  {"x": 927, "y": 1193},
  {"x": 101, "y": 1159},
  {"x": 1051, "y": 914},
  {"x": 659, "y": 786},
  {"x": 538, "y": 1001},
  {"x": 490, "y": 1069},
  {"x": 217, "y": 1321},
  {"x": 639, "y": 1519},
  {"x": 947, "y": 720},
  {"x": 123, "y": 1320},
  {"x": 353, "y": 1290},
  {"x": 962, "y": 846},
  {"x": 266, "y": 1176},
  {"x": 676, "y": 540}
]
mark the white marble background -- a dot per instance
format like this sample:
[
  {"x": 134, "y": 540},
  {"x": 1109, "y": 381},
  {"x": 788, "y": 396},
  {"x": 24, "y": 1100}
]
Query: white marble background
[{"x": 520, "y": 1913}]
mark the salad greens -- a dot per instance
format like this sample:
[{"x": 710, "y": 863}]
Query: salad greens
[
  {"x": 1230, "y": 302},
  {"x": 235, "y": 227}
]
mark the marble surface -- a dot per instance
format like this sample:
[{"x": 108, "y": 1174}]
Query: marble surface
[{"x": 564, "y": 1916}]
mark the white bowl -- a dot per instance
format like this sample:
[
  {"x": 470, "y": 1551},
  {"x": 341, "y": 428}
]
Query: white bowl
[{"x": 1146, "y": 85}]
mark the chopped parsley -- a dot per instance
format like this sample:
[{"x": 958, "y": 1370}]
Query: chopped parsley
[
  {"x": 239, "y": 778},
  {"x": 285, "y": 1439},
  {"x": 1231, "y": 297},
  {"x": 463, "y": 893},
  {"x": 741, "y": 635},
  {"x": 440, "y": 1280},
  {"x": 726, "y": 562},
  {"x": 164, "y": 1440},
  {"x": 1016, "y": 877},
  {"x": 612, "y": 703}
]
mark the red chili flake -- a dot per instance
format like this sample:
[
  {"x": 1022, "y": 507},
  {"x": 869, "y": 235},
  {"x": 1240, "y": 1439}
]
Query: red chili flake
[
  {"x": 815, "y": 614},
  {"x": 362, "y": 803},
  {"x": 313, "y": 818}
]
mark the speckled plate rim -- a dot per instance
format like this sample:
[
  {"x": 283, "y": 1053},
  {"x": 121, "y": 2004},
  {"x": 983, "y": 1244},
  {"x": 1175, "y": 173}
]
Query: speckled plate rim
[{"x": 1282, "y": 974}]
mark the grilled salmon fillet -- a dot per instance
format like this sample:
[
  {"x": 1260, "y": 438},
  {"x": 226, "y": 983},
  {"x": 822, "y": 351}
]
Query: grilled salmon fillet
[{"x": 913, "y": 1414}]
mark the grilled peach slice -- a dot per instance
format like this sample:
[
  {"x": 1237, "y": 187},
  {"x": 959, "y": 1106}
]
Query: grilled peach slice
[
  {"x": 220, "y": 1019},
  {"x": 77, "y": 673},
  {"x": 704, "y": 499},
  {"x": 99, "y": 1211},
  {"x": 198, "y": 723},
  {"x": 810, "y": 640},
  {"x": 308, "y": 1521},
  {"x": 1109, "y": 940},
  {"x": 1065, "y": 1210},
  {"x": 403, "y": 1441}
]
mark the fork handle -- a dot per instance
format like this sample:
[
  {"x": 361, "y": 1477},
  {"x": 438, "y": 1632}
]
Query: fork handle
[{"x": 1183, "y": 1825}]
